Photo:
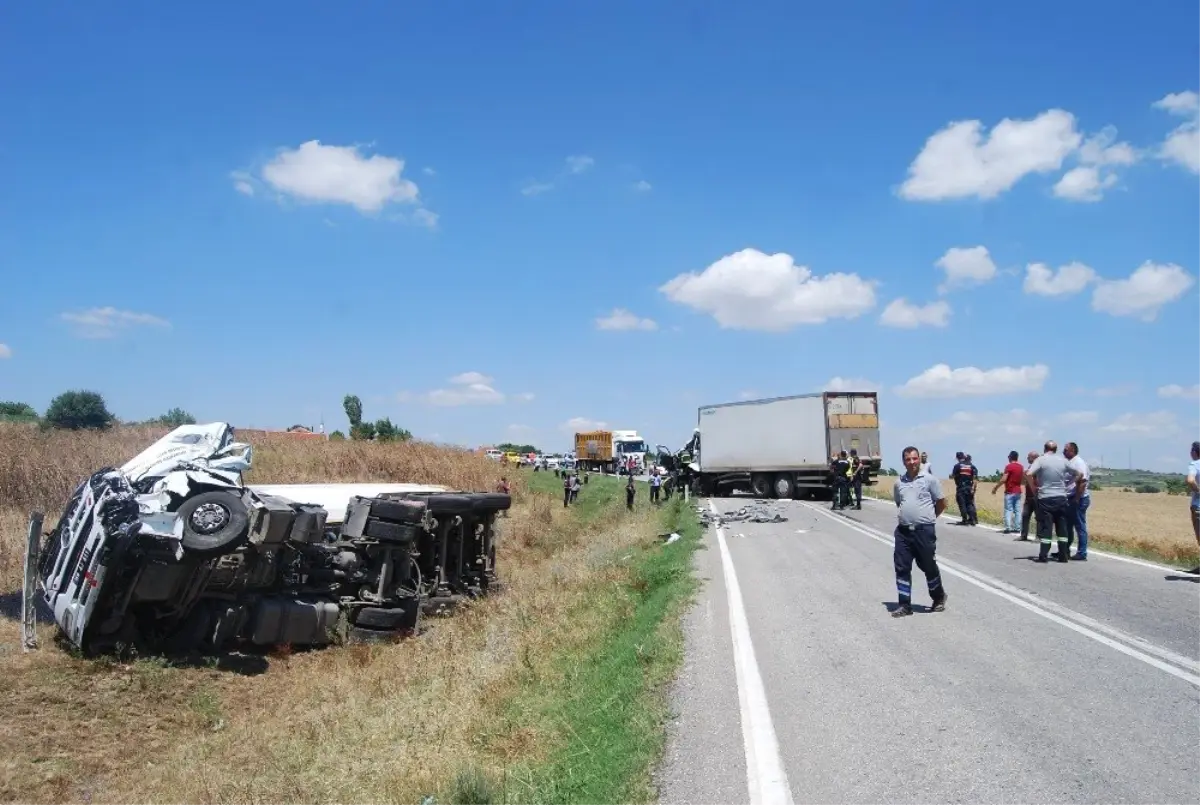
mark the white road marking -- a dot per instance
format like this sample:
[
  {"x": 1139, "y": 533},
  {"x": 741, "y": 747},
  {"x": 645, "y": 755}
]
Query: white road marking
[
  {"x": 950, "y": 518},
  {"x": 765, "y": 775},
  {"x": 1053, "y": 612}
]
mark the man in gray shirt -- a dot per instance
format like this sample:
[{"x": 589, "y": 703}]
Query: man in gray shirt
[
  {"x": 919, "y": 502},
  {"x": 1049, "y": 475}
]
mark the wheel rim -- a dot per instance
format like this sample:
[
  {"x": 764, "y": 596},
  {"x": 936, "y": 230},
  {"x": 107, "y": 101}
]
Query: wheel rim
[
  {"x": 208, "y": 518},
  {"x": 781, "y": 488}
]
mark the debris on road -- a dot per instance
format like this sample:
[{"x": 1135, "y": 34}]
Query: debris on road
[{"x": 760, "y": 511}]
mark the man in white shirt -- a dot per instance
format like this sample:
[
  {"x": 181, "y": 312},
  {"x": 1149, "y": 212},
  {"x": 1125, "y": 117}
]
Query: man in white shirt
[{"x": 1078, "y": 500}]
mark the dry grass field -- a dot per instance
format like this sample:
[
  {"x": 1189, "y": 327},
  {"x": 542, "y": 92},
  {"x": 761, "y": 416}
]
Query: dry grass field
[
  {"x": 357, "y": 723},
  {"x": 1155, "y": 525}
]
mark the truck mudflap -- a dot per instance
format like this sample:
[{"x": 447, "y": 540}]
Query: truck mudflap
[{"x": 123, "y": 566}]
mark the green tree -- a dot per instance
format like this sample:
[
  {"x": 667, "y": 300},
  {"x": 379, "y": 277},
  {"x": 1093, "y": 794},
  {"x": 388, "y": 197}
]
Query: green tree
[
  {"x": 174, "y": 418},
  {"x": 17, "y": 412},
  {"x": 353, "y": 408},
  {"x": 78, "y": 410},
  {"x": 363, "y": 431},
  {"x": 337, "y": 436},
  {"x": 517, "y": 448}
]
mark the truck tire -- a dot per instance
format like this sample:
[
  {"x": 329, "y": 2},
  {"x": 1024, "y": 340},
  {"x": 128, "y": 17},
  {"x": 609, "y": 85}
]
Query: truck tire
[
  {"x": 213, "y": 522},
  {"x": 784, "y": 486},
  {"x": 389, "y": 618},
  {"x": 760, "y": 485}
]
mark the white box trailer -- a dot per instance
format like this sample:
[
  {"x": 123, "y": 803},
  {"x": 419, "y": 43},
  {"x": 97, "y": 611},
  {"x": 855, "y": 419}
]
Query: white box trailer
[{"x": 783, "y": 446}]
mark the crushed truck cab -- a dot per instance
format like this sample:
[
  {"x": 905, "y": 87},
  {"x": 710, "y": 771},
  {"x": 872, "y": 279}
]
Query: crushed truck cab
[{"x": 173, "y": 552}]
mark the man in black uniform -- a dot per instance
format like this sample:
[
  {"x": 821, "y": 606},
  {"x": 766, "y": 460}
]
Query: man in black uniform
[
  {"x": 965, "y": 478},
  {"x": 841, "y": 481},
  {"x": 857, "y": 471}
]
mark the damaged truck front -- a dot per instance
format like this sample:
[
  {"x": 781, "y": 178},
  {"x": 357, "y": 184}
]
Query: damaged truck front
[{"x": 173, "y": 552}]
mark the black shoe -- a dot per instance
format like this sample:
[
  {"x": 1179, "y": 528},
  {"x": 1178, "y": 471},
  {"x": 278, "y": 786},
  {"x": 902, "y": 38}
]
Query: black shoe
[
  {"x": 1063, "y": 557},
  {"x": 940, "y": 604},
  {"x": 858, "y": 507},
  {"x": 1080, "y": 557},
  {"x": 902, "y": 611}
]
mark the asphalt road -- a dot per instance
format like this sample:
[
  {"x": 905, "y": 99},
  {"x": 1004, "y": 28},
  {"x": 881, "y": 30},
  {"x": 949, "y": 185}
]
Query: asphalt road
[{"x": 1039, "y": 683}]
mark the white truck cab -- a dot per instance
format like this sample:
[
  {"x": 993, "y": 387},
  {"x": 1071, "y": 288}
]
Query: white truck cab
[{"x": 629, "y": 446}]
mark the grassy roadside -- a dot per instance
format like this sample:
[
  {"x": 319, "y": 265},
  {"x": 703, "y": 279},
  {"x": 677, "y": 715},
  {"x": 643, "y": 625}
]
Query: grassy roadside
[
  {"x": 551, "y": 692},
  {"x": 604, "y": 698}
]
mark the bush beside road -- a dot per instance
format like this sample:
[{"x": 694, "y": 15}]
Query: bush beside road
[
  {"x": 552, "y": 690},
  {"x": 1151, "y": 525}
]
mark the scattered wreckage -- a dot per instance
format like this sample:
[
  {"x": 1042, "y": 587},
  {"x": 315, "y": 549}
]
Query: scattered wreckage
[
  {"x": 172, "y": 552},
  {"x": 760, "y": 511}
]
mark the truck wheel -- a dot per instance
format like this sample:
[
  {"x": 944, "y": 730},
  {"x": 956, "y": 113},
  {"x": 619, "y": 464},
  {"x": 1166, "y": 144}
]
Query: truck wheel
[
  {"x": 213, "y": 522},
  {"x": 760, "y": 485},
  {"x": 784, "y": 487}
]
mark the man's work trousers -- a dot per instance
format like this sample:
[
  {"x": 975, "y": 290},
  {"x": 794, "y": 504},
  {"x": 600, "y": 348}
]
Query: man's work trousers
[
  {"x": 566, "y": 497},
  {"x": 1052, "y": 513},
  {"x": 629, "y": 499},
  {"x": 1027, "y": 514},
  {"x": 917, "y": 543},
  {"x": 965, "y": 499},
  {"x": 857, "y": 482},
  {"x": 841, "y": 492},
  {"x": 654, "y": 493}
]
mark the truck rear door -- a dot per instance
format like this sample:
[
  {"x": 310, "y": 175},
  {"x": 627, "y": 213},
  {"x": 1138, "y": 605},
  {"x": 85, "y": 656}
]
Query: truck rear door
[{"x": 853, "y": 420}]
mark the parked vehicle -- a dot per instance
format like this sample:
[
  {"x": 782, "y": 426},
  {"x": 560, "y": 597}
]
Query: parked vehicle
[
  {"x": 611, "y": 451},
  {"x": 173, "y": 552},
  {"x": 782, "y": 447}
]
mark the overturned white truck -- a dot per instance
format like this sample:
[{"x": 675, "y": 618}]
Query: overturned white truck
[{"x": 172, "y": 552}]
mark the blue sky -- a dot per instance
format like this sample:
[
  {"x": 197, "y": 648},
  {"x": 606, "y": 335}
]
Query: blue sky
[{"x": 253, "y": 211}]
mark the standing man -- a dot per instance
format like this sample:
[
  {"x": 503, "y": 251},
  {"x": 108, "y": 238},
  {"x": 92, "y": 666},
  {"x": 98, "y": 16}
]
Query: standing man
[
  {"x": 655, "y": 485},
  {"x": 965, "y": 478},
  {"x": 1079, "y": 498},
  {"x": 630, "y": 491},
  {"x": 1030, "y": 504},
  {"x": 919, "y": 502},
  {"x": 566, "y": 489},
  {"x": 1013, "y": 481},
  {"x": 1193, "y": 482},
  {"x": 857, "y": 471},
  {"x": 841, "y": 486},
  {"x": 1049, "y": 475},
  {"x": 925, "y": 463}
]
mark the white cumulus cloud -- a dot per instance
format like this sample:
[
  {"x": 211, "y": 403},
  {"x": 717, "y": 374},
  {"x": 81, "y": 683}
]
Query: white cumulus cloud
[
  {"x": 1042, "y": 280},
  {"x": 1143, "y": 294},
  {"x": 1155, "y": 424},
  {"x": 1084, "y": 183},
  {"x": 981, "y": 427},
  {"x": 1174, "y": 390},
  {"x": 580, "y": 424},
  {"x": 965, "y": 266},
  {"x": 969, "y": 381},
  {"x": 1079, "y": 417},
  {"x": 579, "y": 164},
  {"x": 106, "y": 322},
  {"x": 959, "y": 161},
  {"x": 622, "y": 319},
  {"x": 1098, "y": 156},
  {"x": 751, "y": 290},
  {"x": 1182, "y": 145},
  {"x": 902, "y": 313},
  {"x": 468, "y": 388},
  {"x": 643, "y": 186},
  {"x": 335, "y": 174}
]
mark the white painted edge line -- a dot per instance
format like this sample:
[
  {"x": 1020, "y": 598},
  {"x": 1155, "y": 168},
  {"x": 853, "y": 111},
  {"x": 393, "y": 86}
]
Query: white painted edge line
[
  {"x": 1091, "y": 551},
  {"x": 1078, "y": 623},
  {"x": 765, "y": 775}
]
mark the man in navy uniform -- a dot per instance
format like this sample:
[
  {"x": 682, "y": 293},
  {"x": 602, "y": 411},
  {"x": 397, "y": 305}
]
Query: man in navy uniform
[
  {"x": 965, "y": 477},
  {"x": 919, "y": 502}
]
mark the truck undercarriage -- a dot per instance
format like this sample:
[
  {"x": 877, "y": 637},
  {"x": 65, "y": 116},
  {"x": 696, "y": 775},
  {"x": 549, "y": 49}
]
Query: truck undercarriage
[{"x": 173, "y": 553}]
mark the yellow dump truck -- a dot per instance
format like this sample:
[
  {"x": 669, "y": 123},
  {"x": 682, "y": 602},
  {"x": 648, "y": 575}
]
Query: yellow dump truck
[{"x": 594, "y": 451}]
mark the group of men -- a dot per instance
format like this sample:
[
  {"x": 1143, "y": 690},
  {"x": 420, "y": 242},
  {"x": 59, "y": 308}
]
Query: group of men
[
  {"x": 848, "y": 473},
  {"x": 1055, "y": 487}
]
